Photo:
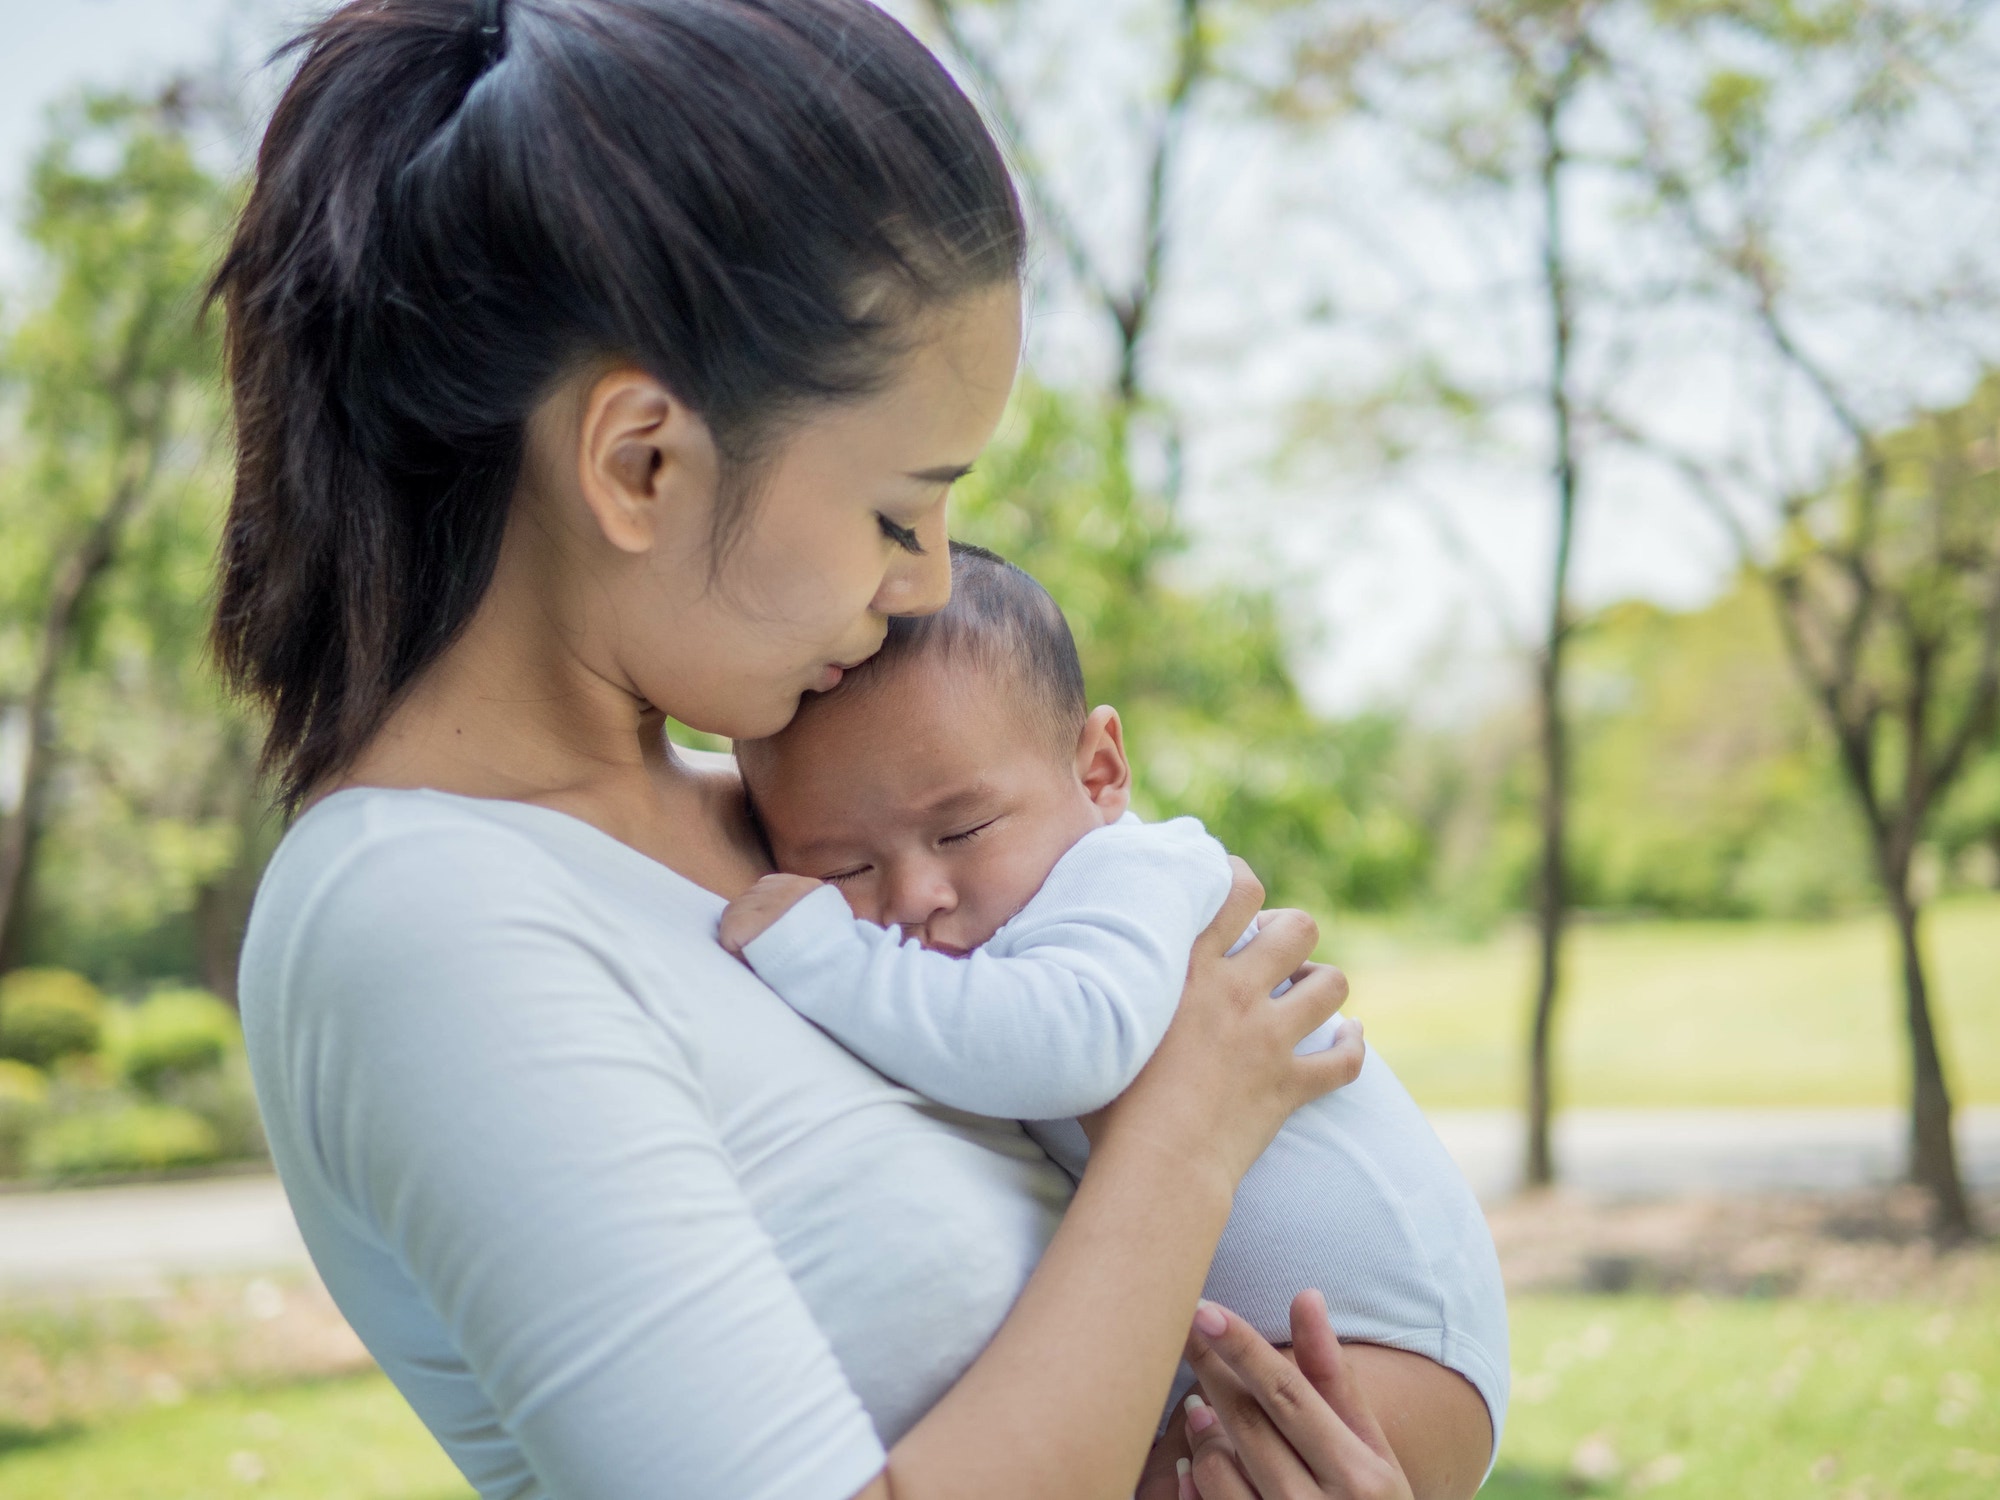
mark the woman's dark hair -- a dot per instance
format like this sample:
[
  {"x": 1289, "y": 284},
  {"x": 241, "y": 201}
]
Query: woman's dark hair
[{"x": 458, "y": 203}]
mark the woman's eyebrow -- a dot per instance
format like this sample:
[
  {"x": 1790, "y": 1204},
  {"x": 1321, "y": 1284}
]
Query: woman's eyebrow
[{"x": 942, "y": 474}]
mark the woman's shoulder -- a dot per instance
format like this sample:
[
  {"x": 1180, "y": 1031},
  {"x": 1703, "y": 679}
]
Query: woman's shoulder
[
  {"x": 367, "y": 832},
  {"x": 372, "y": 864}
]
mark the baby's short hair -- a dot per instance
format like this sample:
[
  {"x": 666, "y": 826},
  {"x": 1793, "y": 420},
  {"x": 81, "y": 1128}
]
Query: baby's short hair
[{"x": 999, "y": 620}]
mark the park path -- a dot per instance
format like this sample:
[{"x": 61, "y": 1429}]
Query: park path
[{"x": 140, "y": 1236}]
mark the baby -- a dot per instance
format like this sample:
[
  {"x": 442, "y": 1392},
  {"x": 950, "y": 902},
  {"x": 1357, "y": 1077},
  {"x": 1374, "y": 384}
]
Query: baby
[{"x": 971, "y": 907}]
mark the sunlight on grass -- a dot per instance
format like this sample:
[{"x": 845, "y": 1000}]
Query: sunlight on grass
[
  {"x": 1690, "y": 1397},
  {"x": 1662, "y": 1013},
  {"x": 1614, "y": 1396},
  {"x": 336, "y": 1440}
]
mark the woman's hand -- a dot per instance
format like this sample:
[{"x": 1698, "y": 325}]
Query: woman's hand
[
  {"x": 1225, "y": 1078},
  {"x": 1266, "y": 1429}
]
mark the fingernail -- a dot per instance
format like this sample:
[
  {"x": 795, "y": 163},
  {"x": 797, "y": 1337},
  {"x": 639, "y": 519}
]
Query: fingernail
[
  {"x": 1184, "y": 1481},
  {"x": 1210, "y": 1319},
  {"x": 1201, "y": 1416}
]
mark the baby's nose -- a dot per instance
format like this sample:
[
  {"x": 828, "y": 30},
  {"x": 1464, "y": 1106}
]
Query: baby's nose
[{"x": 919, "y": 898}]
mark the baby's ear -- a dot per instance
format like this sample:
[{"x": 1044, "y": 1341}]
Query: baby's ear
[{"x": 1101, "y": 765}]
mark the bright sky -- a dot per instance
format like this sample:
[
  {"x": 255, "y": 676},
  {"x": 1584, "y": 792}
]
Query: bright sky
[{"x": 1379, "y": 568}]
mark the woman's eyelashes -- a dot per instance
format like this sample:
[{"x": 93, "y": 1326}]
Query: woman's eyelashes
[{"x": 903, "y": 536}]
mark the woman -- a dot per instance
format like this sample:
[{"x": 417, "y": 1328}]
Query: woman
[{"x": 597, "y": 361}]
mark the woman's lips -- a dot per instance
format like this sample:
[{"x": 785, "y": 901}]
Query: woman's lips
[{"x": 833, "y": 671}]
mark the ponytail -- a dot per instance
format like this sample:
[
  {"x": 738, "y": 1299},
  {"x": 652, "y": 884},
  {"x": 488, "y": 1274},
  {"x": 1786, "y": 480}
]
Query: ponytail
[{"x": 456, "y": 204}]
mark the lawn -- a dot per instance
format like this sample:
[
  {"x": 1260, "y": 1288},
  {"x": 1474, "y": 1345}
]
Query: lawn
[
  {"x": 1614, "y": 1396},
  {"x": 351, "y": 1439},
  {"x": 1770, "y": 1400},
  {"x": 1659, "y": 1013}
]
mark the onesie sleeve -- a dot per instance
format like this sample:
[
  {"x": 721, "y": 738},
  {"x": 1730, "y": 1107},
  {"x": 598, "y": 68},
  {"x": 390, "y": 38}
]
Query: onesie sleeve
[
  {"x": 1055, "y": 1016},
  {"x": 477, "y": 1089}
]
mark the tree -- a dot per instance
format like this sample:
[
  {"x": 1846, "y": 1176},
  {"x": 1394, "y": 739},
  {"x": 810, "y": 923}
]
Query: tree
[
  {"x": 1126, "y": 295},
  {"x": 1484, "y": 96},
  {"x": 113, "y": 380},
  {"x": 1881, "y": 548}
]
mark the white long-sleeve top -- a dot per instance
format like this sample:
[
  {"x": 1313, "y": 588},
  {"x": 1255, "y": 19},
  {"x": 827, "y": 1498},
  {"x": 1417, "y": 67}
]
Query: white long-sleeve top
[
  {"x": 615, "y": 1220},
  {"x": 1057, "y": 1014},
  {"x": 1054, "y": 1016}
]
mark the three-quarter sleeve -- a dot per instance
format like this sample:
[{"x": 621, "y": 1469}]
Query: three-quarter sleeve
[{"x": 474, "y": 1079}]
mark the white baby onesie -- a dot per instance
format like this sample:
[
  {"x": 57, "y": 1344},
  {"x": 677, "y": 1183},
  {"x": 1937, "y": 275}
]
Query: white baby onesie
[{"x": 1056, "y": 1015}]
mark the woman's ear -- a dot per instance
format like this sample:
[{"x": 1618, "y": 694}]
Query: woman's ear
[
  {"x": 646, "y": 461},
  {"x": 1101, "y": 764}
]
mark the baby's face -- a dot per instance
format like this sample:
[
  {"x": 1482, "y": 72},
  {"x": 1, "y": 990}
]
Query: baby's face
[{"x": 930, "y": 800}]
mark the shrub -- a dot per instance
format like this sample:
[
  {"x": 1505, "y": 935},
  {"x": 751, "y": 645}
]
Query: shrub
[
  {"x": 24, "y": 1102},
  {"x": 125, "y": 1138},
  {"x": 49, "y": 1013},
  {"x": 225, "y": 1099},
  {"x": 176, "y": 1034}
]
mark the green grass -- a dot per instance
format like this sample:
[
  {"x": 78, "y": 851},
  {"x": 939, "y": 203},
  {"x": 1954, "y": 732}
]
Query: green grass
[
  {"x": 1672, "y": 1013},
  {"x": 1614, "y": 1396},
  {"x": 1770, "y": 1400},
  {"x": 334, "y": 1440}
]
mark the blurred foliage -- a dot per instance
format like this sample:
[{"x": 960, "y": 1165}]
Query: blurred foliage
[
  {"x": 172, "y": 1036},
  {"x": 1199, "y": 673},
  {"x": 90, "y": 1085},
  {"x": 48, "y": 1014},
  {"x": 125, "y": 1137},
  {"x": 1705, "y": 787},
  {"x": 24, "y": 1103},
  {"x": 109, "y": 383}
]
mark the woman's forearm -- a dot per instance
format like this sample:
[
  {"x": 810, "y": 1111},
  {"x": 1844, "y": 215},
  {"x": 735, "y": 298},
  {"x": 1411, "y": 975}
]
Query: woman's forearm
[{"x": 1063, "y": 1403}]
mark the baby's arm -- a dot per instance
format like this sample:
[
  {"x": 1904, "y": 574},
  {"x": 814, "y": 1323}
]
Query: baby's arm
[{"x": 1054, "y": 1017}]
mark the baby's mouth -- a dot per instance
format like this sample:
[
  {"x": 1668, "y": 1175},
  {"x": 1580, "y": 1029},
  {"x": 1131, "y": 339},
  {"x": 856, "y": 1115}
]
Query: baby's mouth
[{"x": 949, "y": 950}]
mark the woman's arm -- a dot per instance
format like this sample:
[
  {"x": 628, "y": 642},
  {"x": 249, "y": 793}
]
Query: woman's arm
[{"x": 1064, "y": 1402}]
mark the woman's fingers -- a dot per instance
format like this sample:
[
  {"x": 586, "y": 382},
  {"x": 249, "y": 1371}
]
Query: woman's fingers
[
  {"x": 1211, "y": 1471},
  {"x": 1336, "y": 1066},
  {"x": 1317, "y": 1349},
  {"x": 1317, "y": 992},
  {"x": 1246, "y": 894},
  {"x": 1283, "y": 1429},
  {"x": 1285, "y": 940}
]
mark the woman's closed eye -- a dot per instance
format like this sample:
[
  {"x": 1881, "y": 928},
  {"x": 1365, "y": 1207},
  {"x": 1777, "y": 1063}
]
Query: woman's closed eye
[{"x": 903, "y": 536}]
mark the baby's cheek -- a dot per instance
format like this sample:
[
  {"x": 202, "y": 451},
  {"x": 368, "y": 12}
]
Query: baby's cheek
[{"x": 863, "y": 897}]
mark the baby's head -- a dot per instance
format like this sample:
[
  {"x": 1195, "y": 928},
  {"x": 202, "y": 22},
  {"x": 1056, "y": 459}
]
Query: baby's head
[{"x": 940, "y": 781}]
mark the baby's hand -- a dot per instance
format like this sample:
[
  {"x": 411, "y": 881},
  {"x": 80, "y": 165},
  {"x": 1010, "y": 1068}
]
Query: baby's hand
[{"x": 752, "y": 914}]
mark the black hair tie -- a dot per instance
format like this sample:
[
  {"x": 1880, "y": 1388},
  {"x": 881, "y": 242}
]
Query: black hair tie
[{"x": 488, "y": 33}]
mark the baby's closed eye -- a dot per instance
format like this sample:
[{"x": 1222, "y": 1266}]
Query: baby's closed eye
[{"x": 969, "y": 834}]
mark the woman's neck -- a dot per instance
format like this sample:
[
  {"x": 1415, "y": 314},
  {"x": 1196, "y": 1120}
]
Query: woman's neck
[{"x": 508, "y": 712}]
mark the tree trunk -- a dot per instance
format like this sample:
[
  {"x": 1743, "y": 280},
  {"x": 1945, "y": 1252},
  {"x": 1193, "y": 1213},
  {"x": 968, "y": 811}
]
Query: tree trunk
[
  {"x": 1552, "y": 894},
  {"x": 1933, "y": 1151},
  {"x": 1551, "y": 915},
  {"x": 22, "y": 835}
]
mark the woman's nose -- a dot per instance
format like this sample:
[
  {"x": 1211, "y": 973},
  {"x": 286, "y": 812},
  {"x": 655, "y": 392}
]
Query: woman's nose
[{"x": 919, "y": 583}]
